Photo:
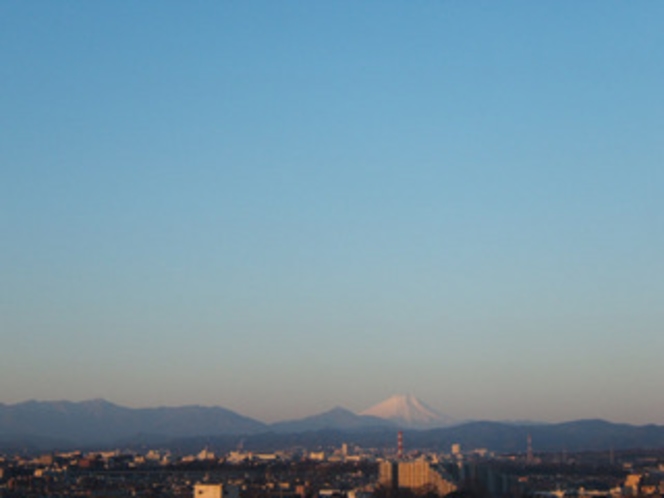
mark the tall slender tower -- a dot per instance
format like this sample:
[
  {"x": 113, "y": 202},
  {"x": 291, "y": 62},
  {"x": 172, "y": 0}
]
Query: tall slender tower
[
  {"x": 400, "y": 445},
  {"x": 529, "y": 451}
]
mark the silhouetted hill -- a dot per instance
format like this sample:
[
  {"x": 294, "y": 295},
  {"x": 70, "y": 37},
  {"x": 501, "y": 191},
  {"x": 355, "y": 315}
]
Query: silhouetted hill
[
  {"x": 597, "y": 434},
  {"x": 581, "y": 435},
  {"x": 99, "y": 421},
  {"x": 38, "y": 426},
  {"x": 335, "y": 419},
  {"x": 584, "y": 435}
]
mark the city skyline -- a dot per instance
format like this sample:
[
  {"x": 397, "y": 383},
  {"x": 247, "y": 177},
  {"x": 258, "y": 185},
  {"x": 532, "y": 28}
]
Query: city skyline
[{"x": 279, "y": 208}]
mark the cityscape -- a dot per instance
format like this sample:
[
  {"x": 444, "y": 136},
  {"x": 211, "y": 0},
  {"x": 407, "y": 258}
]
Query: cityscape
[
  {"x": 399, "y": 447},
  {"x": 310, "y": 468},
  {"x": 331, "y": 249}
]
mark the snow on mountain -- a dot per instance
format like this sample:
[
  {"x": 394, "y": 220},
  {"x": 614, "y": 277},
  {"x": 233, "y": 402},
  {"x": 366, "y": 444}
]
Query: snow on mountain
[{"x": 408, "y": 411}]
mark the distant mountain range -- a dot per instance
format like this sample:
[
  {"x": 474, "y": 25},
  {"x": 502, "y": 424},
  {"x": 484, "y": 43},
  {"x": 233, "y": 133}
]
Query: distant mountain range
[
  {"x": 44, "y": 425},
  {"x": 399, "y": 411},
  {"x": 98, "y": 421}
]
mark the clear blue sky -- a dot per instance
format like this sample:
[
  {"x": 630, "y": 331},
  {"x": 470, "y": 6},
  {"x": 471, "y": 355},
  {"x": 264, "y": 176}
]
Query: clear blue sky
[{"x": 279, "y": 207}]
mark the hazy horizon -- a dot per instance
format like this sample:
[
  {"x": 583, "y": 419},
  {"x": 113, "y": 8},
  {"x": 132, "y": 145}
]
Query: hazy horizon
[
  {"x": 283, "y": 207},
  {"x": 322, "y": 411}
]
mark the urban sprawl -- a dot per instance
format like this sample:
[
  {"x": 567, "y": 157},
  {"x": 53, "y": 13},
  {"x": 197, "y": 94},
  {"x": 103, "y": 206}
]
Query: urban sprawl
[{"x": 348, "y": 471}]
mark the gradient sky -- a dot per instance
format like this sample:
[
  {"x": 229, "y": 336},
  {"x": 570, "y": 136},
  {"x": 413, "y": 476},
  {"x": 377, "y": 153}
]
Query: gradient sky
[{"x": 280, "y": 207}]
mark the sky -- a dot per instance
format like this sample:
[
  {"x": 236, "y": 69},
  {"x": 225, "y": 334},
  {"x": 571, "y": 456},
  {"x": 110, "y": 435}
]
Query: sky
[{"x": 282, "y": 207}]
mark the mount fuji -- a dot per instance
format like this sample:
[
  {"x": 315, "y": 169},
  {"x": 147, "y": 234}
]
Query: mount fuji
[{"x": 405, "y": 410}]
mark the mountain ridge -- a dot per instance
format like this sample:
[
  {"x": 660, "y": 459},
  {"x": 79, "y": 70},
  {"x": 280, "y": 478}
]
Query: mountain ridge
[
  {"x": 338, "y": 418},
  {"x": 407, "y": 411},
  {"x": 102, "y": 421},
  {"x": 98, "y": 423}
]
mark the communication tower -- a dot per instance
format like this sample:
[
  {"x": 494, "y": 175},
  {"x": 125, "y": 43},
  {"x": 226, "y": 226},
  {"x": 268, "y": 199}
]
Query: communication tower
[{"x": 400, "y": 445}]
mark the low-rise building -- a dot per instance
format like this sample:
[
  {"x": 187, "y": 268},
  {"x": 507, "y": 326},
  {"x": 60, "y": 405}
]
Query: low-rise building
[{"x": 216, "y": 491}]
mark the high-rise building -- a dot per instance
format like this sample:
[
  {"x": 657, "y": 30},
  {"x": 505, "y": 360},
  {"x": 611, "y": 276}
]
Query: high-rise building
[
  {"x": 415, "y": 475},
  {"x": 387, "y": 474}
]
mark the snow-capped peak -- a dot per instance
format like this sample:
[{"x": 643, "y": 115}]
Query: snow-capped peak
[{"x": 408, "y": 411}]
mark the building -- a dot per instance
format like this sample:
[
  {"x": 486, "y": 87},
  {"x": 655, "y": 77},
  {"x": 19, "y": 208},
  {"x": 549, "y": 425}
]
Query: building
[
  {"x": 216, "y": 491},
  {"x": 387, "y": 474},
  {"x": 417, "y": 475}
]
